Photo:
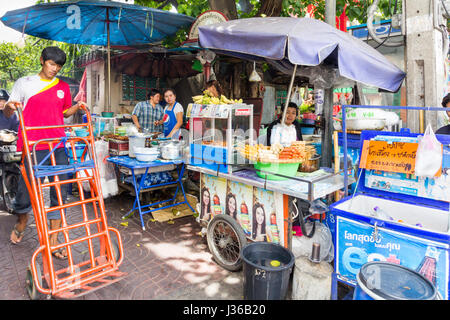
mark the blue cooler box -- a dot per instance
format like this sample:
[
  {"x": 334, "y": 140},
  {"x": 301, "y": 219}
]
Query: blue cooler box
[{"x": 420, "y": 241}]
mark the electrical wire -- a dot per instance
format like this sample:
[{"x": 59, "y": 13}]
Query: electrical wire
[{"x": 390, "y": 26}]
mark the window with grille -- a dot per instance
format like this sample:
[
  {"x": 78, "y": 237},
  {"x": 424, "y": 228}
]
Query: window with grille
[
  {"x": 136, "y": 88},
  {"x": 280, "y": 99}
]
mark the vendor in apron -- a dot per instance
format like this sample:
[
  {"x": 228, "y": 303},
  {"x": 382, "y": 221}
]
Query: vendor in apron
[
  {"x": 173, "y": 115},
  {"x": 290, "y": 132}
]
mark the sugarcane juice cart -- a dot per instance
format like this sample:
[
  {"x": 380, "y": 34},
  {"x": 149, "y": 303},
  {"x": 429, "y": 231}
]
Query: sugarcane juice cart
[{"x": 241, "y": 199}]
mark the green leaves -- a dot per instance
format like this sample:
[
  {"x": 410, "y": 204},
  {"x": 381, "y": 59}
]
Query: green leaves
[{"x": 17, "y": 62}]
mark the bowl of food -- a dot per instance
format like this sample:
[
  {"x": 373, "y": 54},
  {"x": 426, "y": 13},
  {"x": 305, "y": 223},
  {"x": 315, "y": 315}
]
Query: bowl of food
[
  {"x": 146, "y": 154},
  {"x": 107, "y": 114},
  {"x": 81, "y": 132}
]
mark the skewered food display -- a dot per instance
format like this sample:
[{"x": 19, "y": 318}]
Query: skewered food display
[{"x": 298, "y": 151}]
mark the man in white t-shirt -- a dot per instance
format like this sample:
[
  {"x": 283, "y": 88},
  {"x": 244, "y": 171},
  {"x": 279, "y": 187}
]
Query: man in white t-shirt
[{"x": 285, "y": 135}]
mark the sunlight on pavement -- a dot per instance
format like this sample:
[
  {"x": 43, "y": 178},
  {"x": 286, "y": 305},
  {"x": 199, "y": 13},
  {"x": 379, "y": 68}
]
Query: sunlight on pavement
[{"x": 196, "y": 265}]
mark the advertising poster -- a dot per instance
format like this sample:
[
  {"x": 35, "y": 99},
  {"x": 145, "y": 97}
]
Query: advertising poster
[
  {"x": 356, "y": 245},
  {"x": 264, "y": 222},
  {"x": 212, "y": 195},
  {"x": 239, "y": 204},
  {"x": 258, "y": 211},
  {"x": 205, "y": 198}
]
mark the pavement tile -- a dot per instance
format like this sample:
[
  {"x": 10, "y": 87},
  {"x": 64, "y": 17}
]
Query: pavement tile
[{"x": 166, "y": 261}]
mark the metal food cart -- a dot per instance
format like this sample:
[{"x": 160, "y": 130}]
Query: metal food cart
[{"x": 235, "y": 204}]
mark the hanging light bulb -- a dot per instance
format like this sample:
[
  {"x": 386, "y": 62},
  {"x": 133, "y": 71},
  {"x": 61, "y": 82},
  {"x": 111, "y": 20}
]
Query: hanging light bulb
[{"x": 254, "y": 76}]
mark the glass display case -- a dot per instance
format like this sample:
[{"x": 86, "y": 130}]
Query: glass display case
[{"x": 214, "y": 133}]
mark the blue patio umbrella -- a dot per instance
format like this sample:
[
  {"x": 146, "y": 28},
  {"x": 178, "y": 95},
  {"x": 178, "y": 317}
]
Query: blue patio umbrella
[
  {"x": 287, "y": 42},
  {"x": 103, "y": 23}
]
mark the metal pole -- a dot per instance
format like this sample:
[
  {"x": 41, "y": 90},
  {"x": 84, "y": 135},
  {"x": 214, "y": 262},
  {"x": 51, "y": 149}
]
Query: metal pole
[
  {"x": 108, "y": 106},
  {"x": 288, "y": 97},
  {"x": 327, "y": 134},
  {"x": 330, "y": 12}
]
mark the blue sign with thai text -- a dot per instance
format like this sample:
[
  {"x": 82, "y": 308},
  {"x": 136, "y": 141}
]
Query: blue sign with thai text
[{"x": 357, "y": 244}]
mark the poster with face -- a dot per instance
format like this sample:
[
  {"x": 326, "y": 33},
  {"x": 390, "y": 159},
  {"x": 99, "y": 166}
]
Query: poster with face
[
  {"x": 205, "y": 198},
  {"x": 265, "y": 225},
  {"x": 239, "y": 204},
  {"x": 213, "y": 193}
]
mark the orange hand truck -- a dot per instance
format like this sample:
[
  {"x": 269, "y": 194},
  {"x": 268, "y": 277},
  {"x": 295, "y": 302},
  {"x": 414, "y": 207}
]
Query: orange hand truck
[{"x": 78, "y": 276}]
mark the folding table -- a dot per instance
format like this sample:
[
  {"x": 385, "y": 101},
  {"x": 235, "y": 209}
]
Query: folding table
[{"x": 136, "y": 167}]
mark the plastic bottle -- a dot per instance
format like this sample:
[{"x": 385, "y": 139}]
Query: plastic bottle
[{"x": 381, "y": 214}]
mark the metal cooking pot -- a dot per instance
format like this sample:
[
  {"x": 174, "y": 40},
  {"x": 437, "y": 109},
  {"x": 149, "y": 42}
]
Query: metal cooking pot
[{"x": 171, "y": 150}]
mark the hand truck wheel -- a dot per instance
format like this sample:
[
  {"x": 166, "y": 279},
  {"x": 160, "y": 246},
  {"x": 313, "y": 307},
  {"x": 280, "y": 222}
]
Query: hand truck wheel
[
  {"x": 226, "y": 239},
  {"x": 115, "y": 248},
  {"x": 32, "y": 291}
]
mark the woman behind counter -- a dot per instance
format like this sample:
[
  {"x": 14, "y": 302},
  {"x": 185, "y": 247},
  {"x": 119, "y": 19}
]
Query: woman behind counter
[{"x": 173, "y": 115}]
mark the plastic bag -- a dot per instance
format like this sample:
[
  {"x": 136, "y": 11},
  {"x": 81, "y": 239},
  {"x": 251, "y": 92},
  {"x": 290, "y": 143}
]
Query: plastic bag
[
  {"x": 296, "y": 97},
  {"x": 106, "y": 170},
  {"x": 428, "y": 155}
]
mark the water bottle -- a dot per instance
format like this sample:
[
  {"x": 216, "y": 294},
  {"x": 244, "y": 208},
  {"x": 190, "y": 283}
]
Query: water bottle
[{"x": 381, "y": 214}]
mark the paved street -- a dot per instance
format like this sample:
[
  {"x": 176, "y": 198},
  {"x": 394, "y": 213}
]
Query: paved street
[{"x": 167, "y": 261}]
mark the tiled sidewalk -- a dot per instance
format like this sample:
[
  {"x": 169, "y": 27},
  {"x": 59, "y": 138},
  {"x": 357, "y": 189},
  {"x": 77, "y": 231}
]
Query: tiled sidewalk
[{"x": 167, "y": 261}]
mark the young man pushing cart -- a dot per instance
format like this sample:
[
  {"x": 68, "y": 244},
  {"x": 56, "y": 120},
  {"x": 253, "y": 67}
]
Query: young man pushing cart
[{"x": 45, "y": 101}]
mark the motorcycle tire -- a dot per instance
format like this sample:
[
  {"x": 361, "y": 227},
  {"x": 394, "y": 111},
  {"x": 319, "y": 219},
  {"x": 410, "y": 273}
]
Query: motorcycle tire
[{"x": 10, "y": 181}]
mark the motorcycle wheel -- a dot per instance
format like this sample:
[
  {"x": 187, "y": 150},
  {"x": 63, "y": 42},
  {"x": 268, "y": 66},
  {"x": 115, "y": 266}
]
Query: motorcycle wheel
[{"x": 10, "y": 182}]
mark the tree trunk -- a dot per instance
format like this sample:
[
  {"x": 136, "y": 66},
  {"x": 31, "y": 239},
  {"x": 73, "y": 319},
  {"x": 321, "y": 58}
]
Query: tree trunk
[
  {"x": 270, "y": 8},
  {"x": 227, "y": 7}
]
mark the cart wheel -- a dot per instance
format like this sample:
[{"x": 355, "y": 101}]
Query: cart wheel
[
  {"x": 32, "y": 291},
  {"x": 115, "y": 248},
  {"x": 9, "y": 186},
  {"x": 225, "y": 241}
]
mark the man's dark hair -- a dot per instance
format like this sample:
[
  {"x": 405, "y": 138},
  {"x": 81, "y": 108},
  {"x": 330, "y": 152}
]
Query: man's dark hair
[
  {"x": 446, "y": 100},
  {"x": 55, "y": 54},
  {"x": 153, "y": 92},
  {"x": 290, "y": 105}
]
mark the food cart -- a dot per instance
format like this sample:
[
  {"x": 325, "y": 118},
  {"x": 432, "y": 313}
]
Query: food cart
[{"x": 238, "y": 202}]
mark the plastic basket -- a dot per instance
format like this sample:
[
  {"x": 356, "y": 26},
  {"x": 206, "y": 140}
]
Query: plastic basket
[{"x": 286, "y": 169}]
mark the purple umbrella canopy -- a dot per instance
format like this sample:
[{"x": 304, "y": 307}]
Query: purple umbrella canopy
[{"x": 284, "y": 42}]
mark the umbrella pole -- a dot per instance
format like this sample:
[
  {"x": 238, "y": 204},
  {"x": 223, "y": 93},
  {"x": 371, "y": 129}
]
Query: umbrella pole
[
  {"x": 108, "y": 106},
  {"x": 289, "y": 94}
]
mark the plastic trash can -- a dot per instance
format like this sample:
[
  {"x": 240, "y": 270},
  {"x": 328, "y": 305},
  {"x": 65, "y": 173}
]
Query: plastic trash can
[
  {"x": 267, "y": 268},
  {"x": 380, "y": 280}
]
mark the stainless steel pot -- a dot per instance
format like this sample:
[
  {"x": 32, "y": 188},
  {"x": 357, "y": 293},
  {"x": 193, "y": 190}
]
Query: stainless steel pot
[{"x": 171, "y": 150}]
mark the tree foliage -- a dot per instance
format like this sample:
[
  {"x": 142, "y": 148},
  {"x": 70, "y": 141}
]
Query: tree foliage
[
  {"x": 356, "y": 10},
  {"x": 17, "y": 61}
]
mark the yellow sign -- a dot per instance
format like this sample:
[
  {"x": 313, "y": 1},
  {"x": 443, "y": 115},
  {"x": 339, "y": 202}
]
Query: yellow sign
[{"x": 392, "y": 157}]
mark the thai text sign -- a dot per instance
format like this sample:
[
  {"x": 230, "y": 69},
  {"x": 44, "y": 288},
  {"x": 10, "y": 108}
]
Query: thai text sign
[{"x": 389, "y": 156}]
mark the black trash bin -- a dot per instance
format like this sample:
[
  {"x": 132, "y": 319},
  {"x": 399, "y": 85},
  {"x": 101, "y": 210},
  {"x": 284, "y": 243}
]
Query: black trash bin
[{"x": 267, "y": 267}]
